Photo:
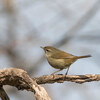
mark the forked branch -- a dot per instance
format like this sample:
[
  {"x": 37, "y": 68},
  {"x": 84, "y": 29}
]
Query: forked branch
[{"x": 21, "y": 80}]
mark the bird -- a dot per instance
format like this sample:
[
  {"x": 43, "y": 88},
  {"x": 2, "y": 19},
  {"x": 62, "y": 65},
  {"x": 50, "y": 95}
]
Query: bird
[{"x": 59, "y": 59}]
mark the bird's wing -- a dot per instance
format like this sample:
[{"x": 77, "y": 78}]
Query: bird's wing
[{"x": 62, "y": 55}]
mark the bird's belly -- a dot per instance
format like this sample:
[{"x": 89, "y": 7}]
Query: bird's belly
[{"x": 57, "y": 63}]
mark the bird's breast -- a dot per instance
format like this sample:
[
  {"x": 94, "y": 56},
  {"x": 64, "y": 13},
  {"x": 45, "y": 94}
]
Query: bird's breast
[{"x": 57, "y": 63}]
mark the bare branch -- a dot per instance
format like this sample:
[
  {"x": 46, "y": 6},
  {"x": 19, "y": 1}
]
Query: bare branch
[
  {"x": 20, "y": 79},
  {"x": 3, "y": 94},
  {"x": 72, "y": 78}
]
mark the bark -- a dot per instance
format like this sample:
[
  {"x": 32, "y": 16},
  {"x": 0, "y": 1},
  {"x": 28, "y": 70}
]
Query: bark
[
  {"x": 72, "y": 78},
  {"x": 21, "y": 80}
]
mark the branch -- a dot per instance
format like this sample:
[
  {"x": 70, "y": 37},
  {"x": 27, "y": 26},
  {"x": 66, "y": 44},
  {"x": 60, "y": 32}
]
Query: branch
[
  {"x": 72, "y": 78},
  {"x": 3, "y": 94},
  {"x": 20, "y": 79}
]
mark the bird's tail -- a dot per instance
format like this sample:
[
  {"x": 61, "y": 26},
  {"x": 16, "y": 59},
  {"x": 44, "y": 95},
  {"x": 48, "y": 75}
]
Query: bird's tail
[{"x": 79, "y": 57}]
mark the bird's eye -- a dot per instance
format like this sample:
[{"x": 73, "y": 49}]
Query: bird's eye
[{"x": 47, "y": 50}]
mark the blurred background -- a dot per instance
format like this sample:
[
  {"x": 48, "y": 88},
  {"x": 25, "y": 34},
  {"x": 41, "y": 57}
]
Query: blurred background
[{"x": 70, "y": 25}]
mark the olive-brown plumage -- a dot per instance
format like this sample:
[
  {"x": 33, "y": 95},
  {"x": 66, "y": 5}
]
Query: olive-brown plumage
[{"x": 60, "y": 59}]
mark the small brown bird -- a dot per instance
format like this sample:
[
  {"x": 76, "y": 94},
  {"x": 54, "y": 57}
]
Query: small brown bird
[{"x": 60, "y": 59}]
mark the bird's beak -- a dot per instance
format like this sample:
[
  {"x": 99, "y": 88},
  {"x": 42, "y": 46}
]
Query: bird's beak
[{"x": 41, "y": 47}]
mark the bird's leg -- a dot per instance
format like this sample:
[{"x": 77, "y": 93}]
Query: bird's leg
[
  {"x": 66, "y": 74},
  {"x": 67, "y": 71},
  {"x": 56, "y": 71}
]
